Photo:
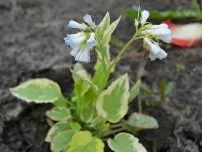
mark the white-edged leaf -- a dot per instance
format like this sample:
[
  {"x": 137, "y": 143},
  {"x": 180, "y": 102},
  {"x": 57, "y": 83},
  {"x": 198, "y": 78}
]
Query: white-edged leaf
[
  {"x": 125, "y": 142},
  {"x": 61, "y": 127},
  {"x": 82, "y": 80},
  {"x": 59, "y": 114},
  {"x": 61, "y": 140},
  {"x": 104, "y": 24},
  {"x": 83, "y": 141},
  {"x": 87, "y": 114},
  {"x": 112, "y": 104},
  {"x": 56, "y": 128},
  {"x": 134, "y": 91},
  {"x": 142, "y": 121},
  {"x": 99, "y": 75},
  {"x": 40, "y": 90},
  {"x": 108, "y": 33}
]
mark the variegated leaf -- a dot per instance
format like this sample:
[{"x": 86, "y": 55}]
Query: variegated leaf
[
  {"x": 38, "y": 90},
  {"x": 124, "y": 142},
  {"x": 82, "y": 80},
  {"x": 59, "y": 114},
  {"x": 83, "y": 141},
  {"x": 112, "y": 104},
  {"x": 61, "y": 140},
  {"x": 142, "y": 121}
]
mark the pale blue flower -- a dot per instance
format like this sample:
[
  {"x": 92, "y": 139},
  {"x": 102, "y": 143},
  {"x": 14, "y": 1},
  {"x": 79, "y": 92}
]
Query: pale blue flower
[
  {"x": 74, "y": 24},
  {"x": 161, "y": 31},
  {"x": 82, "y": 42},
  {"x": 155, "y": 51},
  {"x": 83, "y": 55},
  {"x": 75, "y": 39},
  {"x": 81, "y": 51},
  {"x": 87, "y": 18},
  {"x": 91, "y": 42},
  {"x": 163, "y": 25}
]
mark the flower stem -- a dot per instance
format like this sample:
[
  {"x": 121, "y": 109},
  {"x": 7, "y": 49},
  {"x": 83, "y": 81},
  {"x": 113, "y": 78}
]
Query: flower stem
[
  {"x": 118, "y": 57},
  {"x": 139, "y": 104}
]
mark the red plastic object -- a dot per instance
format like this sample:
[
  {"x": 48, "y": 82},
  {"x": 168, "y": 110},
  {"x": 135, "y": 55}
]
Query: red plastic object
[{"x": 185, "y": 35}]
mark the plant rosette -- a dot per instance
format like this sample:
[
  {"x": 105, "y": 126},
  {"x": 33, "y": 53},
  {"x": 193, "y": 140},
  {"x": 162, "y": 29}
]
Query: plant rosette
[{"x": 96, "y": 107}]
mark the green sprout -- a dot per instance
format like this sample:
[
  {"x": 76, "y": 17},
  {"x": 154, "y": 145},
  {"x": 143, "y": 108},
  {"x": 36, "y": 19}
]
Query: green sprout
[{"x": 180, "y": 67}]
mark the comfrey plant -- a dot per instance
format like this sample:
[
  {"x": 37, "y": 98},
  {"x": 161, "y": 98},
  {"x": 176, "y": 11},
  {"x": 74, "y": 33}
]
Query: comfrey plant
[{"x": 97, "y": 107}]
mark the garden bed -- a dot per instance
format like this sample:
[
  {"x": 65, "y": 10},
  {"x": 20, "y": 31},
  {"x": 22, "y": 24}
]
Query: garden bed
[{"x": 31, "y": 46}]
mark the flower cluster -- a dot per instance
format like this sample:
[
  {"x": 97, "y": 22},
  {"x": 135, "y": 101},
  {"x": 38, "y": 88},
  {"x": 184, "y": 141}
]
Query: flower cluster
[
  {"x": 161, "y": 32},
  {"x": 83, "y": 41}
]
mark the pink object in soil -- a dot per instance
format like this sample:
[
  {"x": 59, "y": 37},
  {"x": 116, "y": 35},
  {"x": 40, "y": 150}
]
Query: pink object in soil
[{"x": 185, "y": 35}]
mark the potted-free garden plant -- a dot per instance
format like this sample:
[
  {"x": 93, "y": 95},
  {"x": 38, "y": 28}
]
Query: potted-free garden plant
[{"x": 98, "y": 104}]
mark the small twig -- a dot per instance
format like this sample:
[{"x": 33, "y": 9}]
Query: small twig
[
  {"x": 154, "y": 146},
  {"x": 140, "y": 73},
  {"x": 142, "y": 65},
  {"x": 139, "y": 104}
]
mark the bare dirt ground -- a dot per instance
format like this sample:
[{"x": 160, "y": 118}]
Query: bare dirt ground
[{"x": 31, "y": 45}]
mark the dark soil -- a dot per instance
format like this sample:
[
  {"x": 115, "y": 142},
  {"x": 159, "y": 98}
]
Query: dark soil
[{"x": 31, "y": 45}]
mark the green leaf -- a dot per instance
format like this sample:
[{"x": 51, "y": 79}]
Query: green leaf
[
  {"x": 56, "y": 128},
  {"x": 141, "y": 121},
  {"x": 163, "y": 84},
  {"x": 38, "y": 91},
  {"x": 61, "y": 127},
  {"x": 75, "y": 126},
  {"x": 109, "y": 31},
  {"x": 82, "y": 80},
  {"x": 124, "y": 142},
  {"x": 163, "y": 15},
  {"x": 180, "y": 67},
  {"x": 169, "y": 88},
  {"x": 99, "y": 78},
  {"x": 59, "y": 114},
  {"x": 61, "y": 141},
  {"x": 166, "y": 88},
  {"x": 87, "y": 114},
  {"x": 112, "y": 104},
  {"x": 134, "y": 91},
  {"x": 83, "y": 141},
  {"x": 104, "y": 24}
]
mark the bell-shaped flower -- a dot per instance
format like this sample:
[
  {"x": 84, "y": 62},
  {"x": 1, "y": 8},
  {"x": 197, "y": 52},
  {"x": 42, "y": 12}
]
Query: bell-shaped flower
[
  {"x": 87, "y": 18},
  {"x": 81, "y": 49},
  {"x": 163, "y": 25},
  {"x": 144, "y": 16},
  {"x": 76, "y": 25},
  {"x": 82, "y": 42},
  {"x": 84, "y": 54},
  {"x": 155, "y": 51},
  {"x": 75, "y": 39},
  {"x": 161, "y": 31},
  {"x": 164, "y": 34}
]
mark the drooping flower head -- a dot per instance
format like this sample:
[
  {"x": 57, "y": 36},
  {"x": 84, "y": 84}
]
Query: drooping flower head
[
  {"x": 83, "y": 41},
  {"x": 155, "y": 51},
  {"x": 153, "y": 33}
]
